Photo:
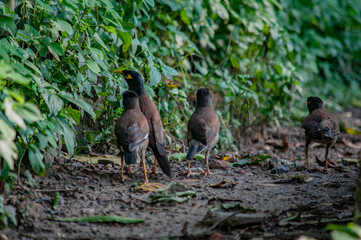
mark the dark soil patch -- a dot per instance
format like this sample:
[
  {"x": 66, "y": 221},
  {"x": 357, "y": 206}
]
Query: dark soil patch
[{"x": 317, "y": 197}]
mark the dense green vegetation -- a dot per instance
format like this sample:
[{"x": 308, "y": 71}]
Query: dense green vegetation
[{"x": 58, "y": 62}]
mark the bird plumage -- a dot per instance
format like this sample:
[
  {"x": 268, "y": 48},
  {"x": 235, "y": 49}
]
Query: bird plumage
[
  {"x": 319, "y": 126},
  {"x": 131, "y": 130},
  {"x": 156, "y": 135},
  {"x": 203, "y": 126}
]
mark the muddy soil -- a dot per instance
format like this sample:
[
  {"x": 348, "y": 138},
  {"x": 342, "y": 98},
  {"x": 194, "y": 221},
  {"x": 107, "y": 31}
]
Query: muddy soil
[{"x": 311, "y": 197}]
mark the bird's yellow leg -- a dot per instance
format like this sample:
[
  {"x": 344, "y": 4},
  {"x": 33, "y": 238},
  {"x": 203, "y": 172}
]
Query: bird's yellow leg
[
  {"x": 207, "y": 172},
  {"x": 154, "y": 171}
]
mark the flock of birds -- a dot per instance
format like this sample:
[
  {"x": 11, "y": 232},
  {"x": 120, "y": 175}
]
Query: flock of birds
[{"x": 140, "y": 127}]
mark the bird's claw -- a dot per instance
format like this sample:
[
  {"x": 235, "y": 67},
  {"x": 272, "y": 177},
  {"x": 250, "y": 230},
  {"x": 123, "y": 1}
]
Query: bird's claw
[
  {"x": 206, "y": 173},
  {"x": 152, "y": 172}
]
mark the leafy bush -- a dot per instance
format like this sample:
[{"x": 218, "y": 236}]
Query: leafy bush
[{"x": 256, "y": 56}]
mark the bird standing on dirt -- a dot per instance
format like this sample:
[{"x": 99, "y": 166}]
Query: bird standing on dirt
[
  {"x": 319, "y": 126},
  {"x": 132, "y": 132},
  {"x": 156, "y": 137},
  {"x": 203, "y": 128}
]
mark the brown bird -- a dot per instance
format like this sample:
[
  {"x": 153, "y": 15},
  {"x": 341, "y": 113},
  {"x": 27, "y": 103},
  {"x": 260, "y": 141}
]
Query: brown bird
[
  {"x": 156, "y": 137},
  {"x": 132, "y": 132},
  {"x": 203, "y": 128},
  {"x": 319, "y": 126}
]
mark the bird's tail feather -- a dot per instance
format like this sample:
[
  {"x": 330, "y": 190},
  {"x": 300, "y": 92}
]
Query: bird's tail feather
[
  {"x": 163, "y": 162},
  {"x": 130, "y": 157},
  {"x": 192, "y": 152}
]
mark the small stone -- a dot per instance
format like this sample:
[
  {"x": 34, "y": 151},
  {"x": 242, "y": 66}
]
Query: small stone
[
  {"x": 219, "y": 164},
  {"x": 280, "y": 169}
]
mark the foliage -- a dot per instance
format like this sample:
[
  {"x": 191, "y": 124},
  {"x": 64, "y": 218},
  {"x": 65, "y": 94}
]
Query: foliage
[
  {"x": 7, "y": 213},
  {"x": 58, "y": 61},
  {"x": 342, "y": 232}
]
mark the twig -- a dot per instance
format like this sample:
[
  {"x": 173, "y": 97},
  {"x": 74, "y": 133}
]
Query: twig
[{"x": 207, "y": 231}]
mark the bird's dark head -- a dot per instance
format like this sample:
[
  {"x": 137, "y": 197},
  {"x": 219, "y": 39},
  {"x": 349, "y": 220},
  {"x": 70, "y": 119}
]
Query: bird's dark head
[
  {"x": 314, "y": 103},
  {"x": 134, "y": 79},
  {"x": 130, "y": 100},
  {"x": 204, "y": 98}
]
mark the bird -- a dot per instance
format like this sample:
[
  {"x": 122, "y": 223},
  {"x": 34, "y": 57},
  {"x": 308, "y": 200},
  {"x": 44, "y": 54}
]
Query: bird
[
  {"x": 156, "y": 136},
  {"x": 319, "y": 126},
  {"x": 203, "y": 128},
  {"x": 132, "y": 132}
]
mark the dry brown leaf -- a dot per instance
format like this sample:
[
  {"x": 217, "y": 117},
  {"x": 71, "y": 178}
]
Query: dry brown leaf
[
  {"x": 150, "y": 187},
  {"x": 222, "y": 183}
]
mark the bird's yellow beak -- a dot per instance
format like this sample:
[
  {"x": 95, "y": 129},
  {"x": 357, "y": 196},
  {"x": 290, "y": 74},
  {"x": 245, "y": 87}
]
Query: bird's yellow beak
[
  {"x": 119, "y": 71},
  {"x": 306, "y": 102}
]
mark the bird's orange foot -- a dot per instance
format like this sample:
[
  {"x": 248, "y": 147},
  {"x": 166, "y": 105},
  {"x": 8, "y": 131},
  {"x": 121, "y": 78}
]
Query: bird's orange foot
[
  {"x": 129, "y": 172},
  {"x": 206, "y": 173},
  {"x": 187, "y": 173},
  {"x": 154, "y": 171}
]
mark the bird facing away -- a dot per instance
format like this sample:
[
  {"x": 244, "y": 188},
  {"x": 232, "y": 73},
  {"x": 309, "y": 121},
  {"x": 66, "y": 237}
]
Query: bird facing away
[
  {"x": 156, "y": 137},
  {"x": 132, "y": 132},
  {"x": 203, "y": 128},
  {"x": 319, "y": 126}
]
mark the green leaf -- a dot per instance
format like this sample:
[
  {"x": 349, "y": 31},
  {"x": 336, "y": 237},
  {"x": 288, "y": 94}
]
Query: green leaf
[
  {"x": 56, "y": 200},
  {"x": 28, "y": 111},
  {"x": 126, "y": 39},
  {"x": 93, "y": 66},
  {"x": 55, "y": 104},
  {"x": 100, "y": 41},
  {"x": 150, "y": 2},
  {"x": 8, "y": 24},
  {"x": 36, "y": 160},
  {"x": 169, "y": 71},
  {"x": 65, "y": 26},
  {"x": 57, "y": 48},
  {"x": 182, "y": 156},
  {"x": 79, "y": 102},
  {"x": 234, "y": 62},
  {"x": 12, "y": 115},
  {"x": 43, "y": 141},
  {"x": 184, "y": 17},
  {"x": 102, "y": 219},
  {"x": 69, "y": 136},
  {"x": 155, "y": 76},
  {"x": 111, "y": 29},
  {"x": 178, "y": 197},
  {"x": 24, "y": 35},
  {"x": 44, "y": 6}
]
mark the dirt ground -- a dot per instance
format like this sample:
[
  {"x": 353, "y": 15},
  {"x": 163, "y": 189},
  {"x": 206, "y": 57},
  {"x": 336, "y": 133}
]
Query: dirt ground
[{"x": 311, "y": 197}]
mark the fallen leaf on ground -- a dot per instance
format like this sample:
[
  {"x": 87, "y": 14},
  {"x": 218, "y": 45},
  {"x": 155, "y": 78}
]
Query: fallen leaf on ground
[
  {"x": 222, "y": 183},
  {"x": 174, "y": 192},
  {"x": 150, "y": 187},
  {"x": 182, "y": 156},
  {"x": 352, "y": 131},
  {"x": 179, "y": 197},
  {"x": 100, "y": 219}
]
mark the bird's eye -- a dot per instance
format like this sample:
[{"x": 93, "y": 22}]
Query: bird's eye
[{"x": 128, "y": 77}]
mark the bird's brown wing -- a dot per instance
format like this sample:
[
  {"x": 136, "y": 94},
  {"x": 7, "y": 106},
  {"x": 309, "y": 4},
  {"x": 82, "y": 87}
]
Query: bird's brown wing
[
  {"x": 320, "y": 124},
  {"x": 203, "y": 126},
  {"x": 156, "y": 135},
  {"x": 131, "y": 130}
]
